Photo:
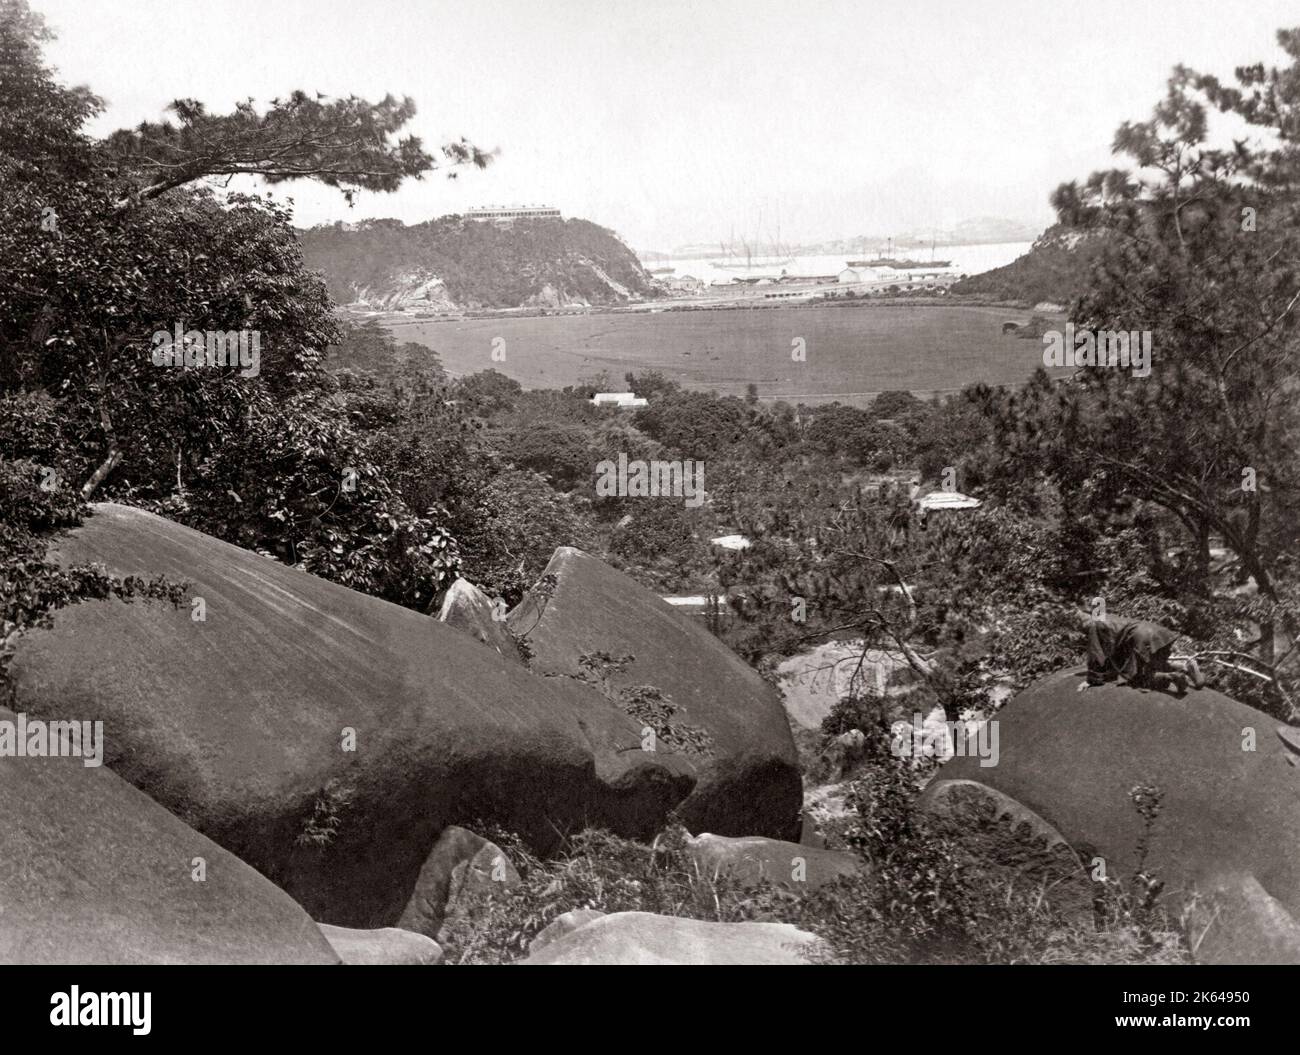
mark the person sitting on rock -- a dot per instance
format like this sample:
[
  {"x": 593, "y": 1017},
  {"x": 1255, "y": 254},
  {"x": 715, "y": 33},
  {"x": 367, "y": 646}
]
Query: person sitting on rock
[{"x": 1139, "y": 652}]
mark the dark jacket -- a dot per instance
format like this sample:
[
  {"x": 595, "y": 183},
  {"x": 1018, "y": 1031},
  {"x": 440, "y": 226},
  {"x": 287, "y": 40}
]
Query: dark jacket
[{"x": 1133, "y": 649}]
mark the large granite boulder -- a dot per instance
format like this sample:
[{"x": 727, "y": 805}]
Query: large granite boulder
[
  {"x": 958, "y": 794},
  {"x": 1231, "y": 799},
  {"x": 93, "y": 871},
  {"x": 563, "y": 924},
  {"x": 1235, "y": 921},
  {"x": 645, "y": 938},
  {"x": 383, "y": 947},
  {"x": 816, "y": 679},
  {"x": 753, "y": 859},
  {"x": 460, "y": 866},
  {"x": 324, "y": 736},
  {"x": 470, "y": 610},
  {"x": 751, "y": 783}
]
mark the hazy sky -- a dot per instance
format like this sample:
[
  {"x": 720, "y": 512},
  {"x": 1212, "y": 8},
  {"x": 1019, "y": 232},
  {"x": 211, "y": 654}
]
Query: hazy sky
[{"x": 675, "y": 121}]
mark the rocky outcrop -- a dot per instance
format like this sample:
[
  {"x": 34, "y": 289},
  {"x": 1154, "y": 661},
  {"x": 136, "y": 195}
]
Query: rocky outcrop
[
  {"x": 94, "y": 872},
  {"x": 415, "y": 290},
  {"x": 829, "y": 804},
  {"x": 1235, "y": 921},
  {"x": 469, "y": 610},
  {"x": 327, "y": 737},
  {"x": 563, "y": 924},
  {"x": 1230, "y": 800},
  {"x": 750, "y": 784},
  {"x": 549, "y": 297},
  {"x": 385, "y": 947},
  {"x": 813, "y": 681},
  {"x": 957, "y": 793},
  {"x": 754, "y": 859},
  {"x": 808, "y": 833},
  {"x": 645, "y": 938},
  {"x": 460, "y": 865}
]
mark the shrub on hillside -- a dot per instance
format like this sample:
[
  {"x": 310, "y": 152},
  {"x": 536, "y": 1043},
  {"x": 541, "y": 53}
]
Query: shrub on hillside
[{"x": 957, "y": 887}]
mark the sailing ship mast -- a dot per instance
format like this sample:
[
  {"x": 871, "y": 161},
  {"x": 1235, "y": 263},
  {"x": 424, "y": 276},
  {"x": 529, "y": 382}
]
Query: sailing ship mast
[{"x": 739, "y": 255}]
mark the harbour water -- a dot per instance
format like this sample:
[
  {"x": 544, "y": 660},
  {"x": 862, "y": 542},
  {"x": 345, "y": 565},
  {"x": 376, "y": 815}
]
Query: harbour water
[{"x": 964, "y": 260}]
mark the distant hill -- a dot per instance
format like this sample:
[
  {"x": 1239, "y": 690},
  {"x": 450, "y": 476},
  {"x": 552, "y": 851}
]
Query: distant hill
[
  {"x": 453, "y": 263},
  {"x": 1055, "y": 269},
  {"x": 983, "y": 230}
]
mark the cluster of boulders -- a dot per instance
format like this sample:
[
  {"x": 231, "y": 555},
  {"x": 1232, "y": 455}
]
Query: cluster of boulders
[
  {"x": 1198, "y": 794},
  {"x": 294, "y": 771}
]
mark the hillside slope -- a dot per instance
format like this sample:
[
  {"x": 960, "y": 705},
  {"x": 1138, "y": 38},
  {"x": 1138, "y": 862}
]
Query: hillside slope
[
  {"x": 452, "y": 263},
  {"x": 1055, "y": 269}
]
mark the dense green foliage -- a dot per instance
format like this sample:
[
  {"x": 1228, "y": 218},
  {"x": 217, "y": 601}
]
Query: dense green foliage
[{"x": 96, "y": 261}]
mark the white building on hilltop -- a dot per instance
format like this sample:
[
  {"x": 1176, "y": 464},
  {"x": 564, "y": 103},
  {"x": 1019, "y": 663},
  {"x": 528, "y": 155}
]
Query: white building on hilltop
[{"x": 508, "y": 214}]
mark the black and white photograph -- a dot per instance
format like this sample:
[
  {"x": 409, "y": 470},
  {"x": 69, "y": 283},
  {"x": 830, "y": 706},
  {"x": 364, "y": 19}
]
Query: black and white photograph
[{"x": 651, "y": 482}]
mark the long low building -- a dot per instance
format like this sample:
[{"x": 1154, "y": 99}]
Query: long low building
[
  {"x": 510, "y": 213},
  {"x": 853, "y": 275}
]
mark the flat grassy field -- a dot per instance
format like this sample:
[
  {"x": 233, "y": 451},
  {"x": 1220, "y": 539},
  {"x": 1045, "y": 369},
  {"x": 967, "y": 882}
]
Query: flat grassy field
[{"x": 852, "y": 353}]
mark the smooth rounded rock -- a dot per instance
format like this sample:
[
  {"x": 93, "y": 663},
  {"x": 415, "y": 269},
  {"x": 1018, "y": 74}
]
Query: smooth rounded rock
[
  {"x": 642, "y": 938},
  {"x": 752, "y": 859},
  {"x": 460, "y": 865},
  {"x": 1236, "y": 921},
  {"x": 468, "y": 609},
  {"x": 384, "y": 947},
  {"x": 751, "y": 784},
  {"x": 563, "y": 924},
  {"x": 1230, "y": 801},
  {"x": 93, "y": 871}
]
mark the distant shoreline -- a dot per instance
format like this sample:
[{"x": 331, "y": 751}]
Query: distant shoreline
[{"x": 402, "y": 318}]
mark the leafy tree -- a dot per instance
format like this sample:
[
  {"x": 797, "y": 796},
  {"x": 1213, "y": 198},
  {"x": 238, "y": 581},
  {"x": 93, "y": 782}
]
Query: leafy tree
[
  {"x": 108, "y": 246},
  {"x": 560, "y": 453},
  {"x": 511, "y": 525},
  {"x": 1202, "y": 253},
  {"x": 344, "y": 143},
  {"x": 367, "y": 346},
  {"x": 487, "y": 391},
  {"x": 694, "y": 424},
  {"x": 650, "y": 383},
  {"x": 659, "y": 544},
  {"x": 856, "y": 435},
  {"x": 894, "y": 404},
  {"x": 300, "y": 483}
]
